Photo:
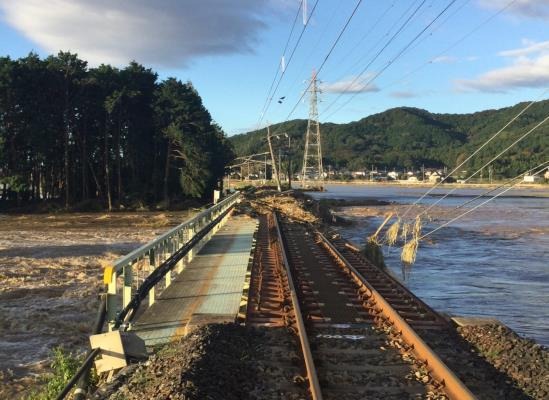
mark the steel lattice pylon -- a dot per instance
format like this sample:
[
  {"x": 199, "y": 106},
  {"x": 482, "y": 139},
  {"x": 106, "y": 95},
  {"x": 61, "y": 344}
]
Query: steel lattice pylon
[{"x": 312, "y": 158}]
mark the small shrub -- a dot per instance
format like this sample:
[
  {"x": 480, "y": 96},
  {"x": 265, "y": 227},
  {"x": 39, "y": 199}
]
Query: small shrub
[{"x": 64, "y": 365}]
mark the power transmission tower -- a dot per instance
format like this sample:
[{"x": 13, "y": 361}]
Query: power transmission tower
[{"x": 312, "y": 158}]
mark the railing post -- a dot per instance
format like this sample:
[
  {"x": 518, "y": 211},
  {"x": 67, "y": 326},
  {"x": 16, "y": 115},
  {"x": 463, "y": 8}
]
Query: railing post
[
  {"x": 152, "y": 263},
  {"x": 127, "y": 273},
  {"x": 179, "y": 243},
  {"x": 168, "y": 251},
  {"x": 112, "y": 299},
  {"x": 190, "y": 233}
]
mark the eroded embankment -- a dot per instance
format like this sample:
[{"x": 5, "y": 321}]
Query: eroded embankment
[
  {"x": 217, "y": 361},
  {"x": 523, "y": 360}
]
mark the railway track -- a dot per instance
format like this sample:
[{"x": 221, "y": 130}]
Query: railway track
[{"x": 360, "y": 333}]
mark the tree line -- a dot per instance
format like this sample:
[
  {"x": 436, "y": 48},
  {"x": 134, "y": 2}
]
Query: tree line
[{"x": 72, "y": 134}]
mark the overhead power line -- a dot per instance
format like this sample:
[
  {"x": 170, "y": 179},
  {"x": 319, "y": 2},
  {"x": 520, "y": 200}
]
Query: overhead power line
[
  {"x": 521, "y": 138},
  {"x": 343, "y": 29},
  {"x": 278, "y": 65},
  {"x": 270, "y": 98},
  {"x": 455, "y": 44},
  {"x": 391, "y": 39},
  {"x": 391, "y": 62},
  {"x": 477, "y": 150},
  {"x": 539, "y": 170}
]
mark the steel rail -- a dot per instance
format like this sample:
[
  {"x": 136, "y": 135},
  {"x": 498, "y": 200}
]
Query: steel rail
[
  {"x": 314, "y": 385},
  {"x": 452, "y": 385}
]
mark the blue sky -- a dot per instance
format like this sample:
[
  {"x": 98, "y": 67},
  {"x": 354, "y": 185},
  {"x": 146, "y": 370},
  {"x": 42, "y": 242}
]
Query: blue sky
[{"x": 478, "y": 54}]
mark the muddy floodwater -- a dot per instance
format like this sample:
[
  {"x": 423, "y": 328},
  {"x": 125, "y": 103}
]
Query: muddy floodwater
[
  {"x": 51, "y": 273},
  {"x": 494, "y": 262}
]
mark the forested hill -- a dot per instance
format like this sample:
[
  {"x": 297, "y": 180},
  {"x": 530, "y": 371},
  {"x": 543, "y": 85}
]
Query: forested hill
[
  {"x": 409, "y": 138},
  {"x": 106, "y": 136}
]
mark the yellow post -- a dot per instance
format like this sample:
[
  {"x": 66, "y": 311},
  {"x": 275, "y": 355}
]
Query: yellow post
[{"x": 152, "y": 263}]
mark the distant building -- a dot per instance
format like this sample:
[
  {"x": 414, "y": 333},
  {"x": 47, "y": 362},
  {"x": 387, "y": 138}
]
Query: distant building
[
  {"x": 358, "y": 174},
  {"x": 532, "y": 178},
  {"x": 392, "y": 175},
  {"x": 412, "y": 179},
  {"x": 435, "y": 177}
]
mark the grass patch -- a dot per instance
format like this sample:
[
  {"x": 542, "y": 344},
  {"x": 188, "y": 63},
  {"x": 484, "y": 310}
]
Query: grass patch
[{"x": 64, "y": 365}]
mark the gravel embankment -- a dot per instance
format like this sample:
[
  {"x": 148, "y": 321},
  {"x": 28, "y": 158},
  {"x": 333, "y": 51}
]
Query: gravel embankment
[
  {"x": 523, "y": 360},
  {"x": 218, "y": 361}
]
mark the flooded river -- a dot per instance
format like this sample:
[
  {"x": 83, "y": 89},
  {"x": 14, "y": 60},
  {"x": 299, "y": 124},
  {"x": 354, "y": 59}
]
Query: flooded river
[{"x": 494, "y": 262}]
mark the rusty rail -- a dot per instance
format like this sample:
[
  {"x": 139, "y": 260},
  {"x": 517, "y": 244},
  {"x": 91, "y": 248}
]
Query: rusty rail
[
  {"x": 452, "y": 384},
  {"x": 302, "y": 333}
]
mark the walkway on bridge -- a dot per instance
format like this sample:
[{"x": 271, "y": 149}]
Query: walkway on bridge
[{"x": 209, "y": 289}]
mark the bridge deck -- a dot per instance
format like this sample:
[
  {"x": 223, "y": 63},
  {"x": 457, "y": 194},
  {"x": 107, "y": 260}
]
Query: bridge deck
[{"x": 209, "y": 289}]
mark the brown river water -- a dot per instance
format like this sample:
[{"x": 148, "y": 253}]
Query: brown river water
[
  {"x": 51, "y": 273},
  {"x": 494, "y": 262}
]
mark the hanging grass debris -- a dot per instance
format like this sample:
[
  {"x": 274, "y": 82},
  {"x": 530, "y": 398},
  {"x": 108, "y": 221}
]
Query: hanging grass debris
[
  {"x": 409, "y": 250},
  {"x": 391, "y": 235},
  {"x": 417, "y": 228},
  {"x": 405, "y": 232}
]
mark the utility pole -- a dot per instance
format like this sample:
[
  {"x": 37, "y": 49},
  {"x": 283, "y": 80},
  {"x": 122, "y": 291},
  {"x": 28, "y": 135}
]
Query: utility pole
[
  {"x": 289, "y": 162},
  {"x": 273, "y": 159},
  {"x": 265, "y": 171},
  {"x": 312, "y": 158}
]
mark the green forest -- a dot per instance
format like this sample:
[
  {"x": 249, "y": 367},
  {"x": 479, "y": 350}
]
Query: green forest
[
  {"x": 73, "y": 135},
  {"x": 411, "y": 138}
]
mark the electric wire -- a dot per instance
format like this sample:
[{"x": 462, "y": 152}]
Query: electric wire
[
  {"x": 288, "y": 63},
  {"x": 391, "y": 39},
  {"x": 476, "y": 151},
  {"x": 487, "y": 163},
  {"x": 326, "y": 57},
  {"x": 389, "y": 63},
  {"x": 453, "y": 45},
  {"x": 519, "y": 176},
  {"x": 320, "y": 38},
  {"x": 278, "y": 65},
  {"x": 475, "y": 207}
]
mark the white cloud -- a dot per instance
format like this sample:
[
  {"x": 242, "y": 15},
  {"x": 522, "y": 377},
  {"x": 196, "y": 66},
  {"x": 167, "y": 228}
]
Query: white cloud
[
  {"x": 403, "y": 94},
  {"x": 537, "y": 9},
  {"x": 445, "y": 59},
  {"x": 531, "y": 48},
  {"x": 164, "y": 33},
  {"x": 530, "y": 68},
  {"x": 350, "y": 85}
]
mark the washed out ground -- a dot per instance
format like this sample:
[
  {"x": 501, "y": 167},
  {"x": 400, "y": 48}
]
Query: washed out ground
[{"x": 51, "y": 272}]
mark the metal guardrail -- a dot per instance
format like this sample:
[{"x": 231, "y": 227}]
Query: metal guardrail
[{"x": 126, "y": 274}]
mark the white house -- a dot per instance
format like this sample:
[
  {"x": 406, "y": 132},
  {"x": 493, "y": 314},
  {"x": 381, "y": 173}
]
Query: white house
[
  {"x": 435, "y": 177},
  {"x": 531, "y": 178}
]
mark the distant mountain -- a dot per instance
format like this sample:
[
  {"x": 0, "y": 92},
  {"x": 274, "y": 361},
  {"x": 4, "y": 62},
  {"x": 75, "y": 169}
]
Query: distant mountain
[{"x": 407, "y": 137}]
